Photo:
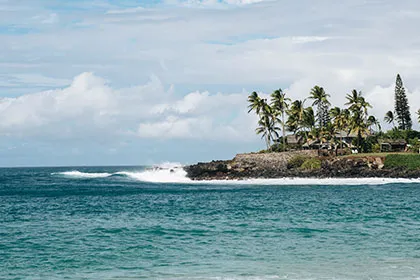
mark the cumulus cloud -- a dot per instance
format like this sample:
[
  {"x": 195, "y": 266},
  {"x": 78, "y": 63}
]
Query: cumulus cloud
[{"x": 147, "y": 111}]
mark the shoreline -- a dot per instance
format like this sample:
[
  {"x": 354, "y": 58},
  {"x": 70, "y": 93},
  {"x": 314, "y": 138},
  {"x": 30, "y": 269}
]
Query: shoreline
[{"x": 292, "y": 165}]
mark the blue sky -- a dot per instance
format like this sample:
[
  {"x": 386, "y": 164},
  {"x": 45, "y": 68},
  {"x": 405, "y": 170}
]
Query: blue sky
[{"x": 143, "y": 82}]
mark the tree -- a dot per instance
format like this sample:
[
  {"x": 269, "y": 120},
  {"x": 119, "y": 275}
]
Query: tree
[
  {"x": 320, "y": 99},
  {"x": 267, "y": 122},
  {"x": 257, "y": 104},
  {"x": 297, "y": 114},
  {"x": 279, "y": 103},
  {"x": 389, "y": 118},
  {"x": 402, "y": 109},
  {"x": 340, "y": 118},
  {"x": 418, "y": 115},
  {"x": 372, "y": 121},
  {"x": 267, "y": 126},
  {"x": 358, "y": 108}
]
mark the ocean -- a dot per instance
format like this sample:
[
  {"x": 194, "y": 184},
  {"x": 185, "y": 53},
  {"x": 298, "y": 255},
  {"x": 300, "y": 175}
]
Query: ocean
[{"x": 139, "y": 223}]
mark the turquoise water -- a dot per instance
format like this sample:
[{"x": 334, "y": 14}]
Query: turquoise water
[{"x": 111, "y": 225}]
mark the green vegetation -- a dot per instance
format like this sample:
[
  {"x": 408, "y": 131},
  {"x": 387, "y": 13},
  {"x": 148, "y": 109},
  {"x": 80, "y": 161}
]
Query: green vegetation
[
  {"x": 296, "y": 161},
  {"x": 402, "y": 109},
  {"x": 311, "y": 164},
  {"x": 409, "y": 161},
  {"x": 332, "y": 129}
]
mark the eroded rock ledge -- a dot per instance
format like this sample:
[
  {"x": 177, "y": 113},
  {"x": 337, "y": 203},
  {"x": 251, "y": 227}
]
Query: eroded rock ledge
[{"x": 275, "y": 165}]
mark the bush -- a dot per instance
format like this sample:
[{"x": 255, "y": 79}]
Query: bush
[
  {"x": 409, "y": 161},
  {"x": 311, "y": 164},
  {"x": 376, "y": 148},
  {"x": 278, "y": 147},
  {"x": 296, "y": 161}
]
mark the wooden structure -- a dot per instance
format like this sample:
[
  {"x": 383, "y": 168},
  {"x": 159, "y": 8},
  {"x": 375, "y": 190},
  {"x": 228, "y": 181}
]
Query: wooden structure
[{"x": 393, "y": 145}]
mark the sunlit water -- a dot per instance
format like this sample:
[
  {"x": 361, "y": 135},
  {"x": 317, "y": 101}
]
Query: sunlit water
[{"x": 124, "y": 223}]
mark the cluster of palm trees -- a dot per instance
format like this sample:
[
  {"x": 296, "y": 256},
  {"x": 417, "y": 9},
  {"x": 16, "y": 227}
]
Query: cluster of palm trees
[{"x": 281, "y": 114}]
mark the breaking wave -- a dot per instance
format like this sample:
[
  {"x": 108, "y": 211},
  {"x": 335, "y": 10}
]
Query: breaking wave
[{"x": 174, "y": 173}]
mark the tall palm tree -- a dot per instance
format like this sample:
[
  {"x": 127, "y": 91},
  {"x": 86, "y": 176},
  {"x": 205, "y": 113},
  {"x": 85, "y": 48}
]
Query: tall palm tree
[
  {"x": 267, "y": 122},
  {"x": 358, "y": 108},
  {"x": 280, "y": 104},
  {"x": 267, "y": 126},
  {"x": 296, "y": 114},
  {"x": 320, "y": 99}
]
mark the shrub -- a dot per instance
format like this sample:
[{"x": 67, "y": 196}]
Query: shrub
[
  {"x": 278, "y": 147},
  {"x": 311, "y": 164},
  {"x": 409, "y": 161},
  {"x": 296, "y": 161},
  {"x": 376, "y": 148}
]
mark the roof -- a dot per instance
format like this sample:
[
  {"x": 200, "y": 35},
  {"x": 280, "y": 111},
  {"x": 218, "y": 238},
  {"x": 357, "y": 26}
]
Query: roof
[
  {"x": 345, "y": 134},
  {"x": 292, "y": 139},
  {"x": 393, "y": 142}
]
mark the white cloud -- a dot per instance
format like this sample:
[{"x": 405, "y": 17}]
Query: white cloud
[{"x": 90, "y": 104}]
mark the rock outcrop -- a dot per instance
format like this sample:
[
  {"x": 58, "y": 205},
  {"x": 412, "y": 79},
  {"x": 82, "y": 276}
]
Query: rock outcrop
[{"x": 275, "y": 165}]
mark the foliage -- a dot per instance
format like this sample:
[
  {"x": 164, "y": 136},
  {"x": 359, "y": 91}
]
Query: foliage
[
  {"x": 389, "y": 118},
  {"x": 397, "y": 133},
  {"x": 296, "y": 161},
  {"x": 409, "y": 161},
  {"x": 311, "y": 164},
  {"x": 368, "y": 144},
  {"x": 280, "y": 104},
  {"x": 402, "y": 109},
  {"x": 414, "y": 145},
  {"x": 358, "y": 108},
  {"x": 324, "y": 125},
  {"x": 320, "y": 99},
  {"x": 376, "y": 148},
  {"x": 277, "y": 147}
]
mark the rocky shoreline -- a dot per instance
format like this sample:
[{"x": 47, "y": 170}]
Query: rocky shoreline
[{"x": 276, "y": 165}]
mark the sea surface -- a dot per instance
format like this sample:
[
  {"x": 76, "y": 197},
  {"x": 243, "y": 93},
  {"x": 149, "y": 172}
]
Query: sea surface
[{"x": 138, "y": 223}]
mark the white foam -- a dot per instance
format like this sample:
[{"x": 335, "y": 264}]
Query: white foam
[
  {"x": 174, "y": 173},
  {"x": 78, "y": 174},
  {"x": 160, "y": 175}
]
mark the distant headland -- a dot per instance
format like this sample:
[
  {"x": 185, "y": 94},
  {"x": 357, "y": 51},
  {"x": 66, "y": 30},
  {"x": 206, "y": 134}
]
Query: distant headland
[{"x": 325, "y": 142}]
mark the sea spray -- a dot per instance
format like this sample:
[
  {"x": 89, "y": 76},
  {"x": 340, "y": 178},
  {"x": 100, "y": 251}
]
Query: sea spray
[{"x": 175, "y": 173}]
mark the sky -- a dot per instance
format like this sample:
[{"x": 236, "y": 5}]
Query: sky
[{"x": 128, "y": 82}]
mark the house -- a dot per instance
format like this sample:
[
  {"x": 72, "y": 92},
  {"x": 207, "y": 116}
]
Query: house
[
  {"x": 294, "y": 141},
  {"x": 390, "y": 145},
  {"x": 346, "y": 137}
]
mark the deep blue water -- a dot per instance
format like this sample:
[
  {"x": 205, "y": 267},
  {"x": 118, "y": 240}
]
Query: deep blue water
[{"x": 66, "y": 226}]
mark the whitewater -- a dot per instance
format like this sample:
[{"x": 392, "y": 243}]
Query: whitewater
[{"x": 174, "y": 173}]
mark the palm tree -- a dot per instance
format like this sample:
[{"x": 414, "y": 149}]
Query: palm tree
[
  {"x": 340, "y": 121},
  {"x": 257, "y": 104},
  {"x": 308, "y": 121},
  {"x": 267, "y": 122},
  {"x": 296, "y": 115},
  {"x": 389, "y": 118},
  {"x": 320, "y": 99},
  {"x": 374, "y": 121},
  {"x": 279, "y": 103},
  {"x": 267, "y": 126},
  {"x": 358, "y": 108}
]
